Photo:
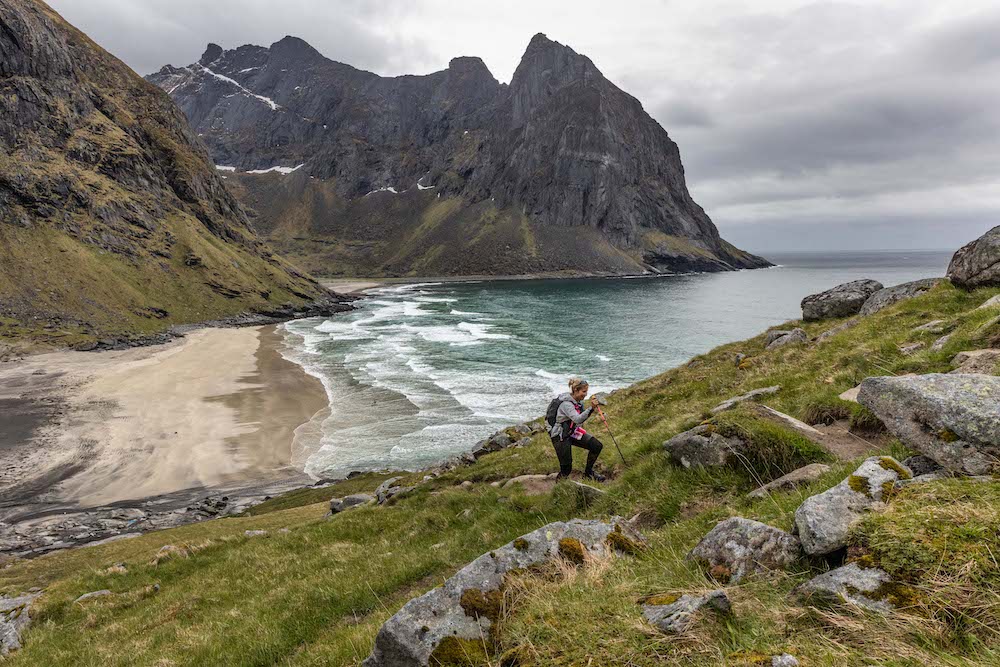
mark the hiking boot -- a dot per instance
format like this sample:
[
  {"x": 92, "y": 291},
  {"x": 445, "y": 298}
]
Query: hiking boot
[{"x": 595, "y": 477}]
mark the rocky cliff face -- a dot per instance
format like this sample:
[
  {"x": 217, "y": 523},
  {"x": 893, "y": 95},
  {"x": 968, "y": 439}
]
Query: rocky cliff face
[
  {"x": 449, "y": 173},
  {"x": 113, "y": 219}
]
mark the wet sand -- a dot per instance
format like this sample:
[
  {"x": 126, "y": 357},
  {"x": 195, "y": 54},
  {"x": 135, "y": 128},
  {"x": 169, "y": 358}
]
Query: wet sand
[{"x": 218, "y": 407}]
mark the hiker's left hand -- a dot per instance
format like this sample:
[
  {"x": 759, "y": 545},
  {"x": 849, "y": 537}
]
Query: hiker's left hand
[{"x": 594, "y": 402}]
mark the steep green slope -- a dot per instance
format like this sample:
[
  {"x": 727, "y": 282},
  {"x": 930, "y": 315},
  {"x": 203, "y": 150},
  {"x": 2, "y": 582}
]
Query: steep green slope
[
  {"x": 113, "y": 220},
  {"x": 317, "y": 594}
]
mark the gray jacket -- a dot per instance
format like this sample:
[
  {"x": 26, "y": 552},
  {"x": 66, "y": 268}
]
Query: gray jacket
[{"x": 568, "y": 412}]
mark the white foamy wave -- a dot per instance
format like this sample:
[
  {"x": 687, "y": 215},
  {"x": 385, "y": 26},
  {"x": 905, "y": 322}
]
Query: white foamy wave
[
  {"x": 465, "y": 313},
  {"x": 434, "y": 299},
  {"x": 602, "y": 357},
  {"x": 481, "y": 331}
]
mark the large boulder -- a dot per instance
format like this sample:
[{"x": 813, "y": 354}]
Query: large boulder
[
  {"x": 674, "y": 615},
  {"x": 893, "y": 295},
  {"x": 952, "y": 419},
  {"x": 840, "y": 301},
  {"x": 804, "y": 475},
  {"x": 457, "y": 617},
  {"x": 14, "y": 619},
  {"x": 702, "y": 447},
  {"x": 978, "y": 263},
  {"x": 867, "y": 587},
  {"x": 737, "y": 547},
  {"x": 823, "y": 521}
]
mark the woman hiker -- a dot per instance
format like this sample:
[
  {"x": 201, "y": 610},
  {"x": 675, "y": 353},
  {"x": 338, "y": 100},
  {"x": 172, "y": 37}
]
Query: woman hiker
[{"x": 565, "y": 416}]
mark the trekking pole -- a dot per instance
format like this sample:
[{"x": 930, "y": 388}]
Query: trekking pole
[{"x": 608, "y": 426}]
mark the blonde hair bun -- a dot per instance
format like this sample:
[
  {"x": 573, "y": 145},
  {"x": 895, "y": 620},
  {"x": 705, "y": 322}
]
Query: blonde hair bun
[{"x": 576, "y": 383}]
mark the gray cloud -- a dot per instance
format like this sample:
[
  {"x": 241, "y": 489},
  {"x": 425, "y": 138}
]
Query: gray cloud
[{"x": 802, "y": 123}]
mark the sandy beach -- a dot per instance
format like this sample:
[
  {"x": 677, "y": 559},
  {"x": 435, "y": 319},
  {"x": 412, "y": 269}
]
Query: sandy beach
[{"x": 218, "y": 407}]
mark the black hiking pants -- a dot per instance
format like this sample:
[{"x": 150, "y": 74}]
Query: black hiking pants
[{"x": 564, "y": 451}]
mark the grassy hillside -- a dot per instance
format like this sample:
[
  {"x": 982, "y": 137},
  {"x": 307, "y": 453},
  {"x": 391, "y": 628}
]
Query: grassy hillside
[
  {"x": 314, "y": 591},
  {"x": 113, "y": 220}
]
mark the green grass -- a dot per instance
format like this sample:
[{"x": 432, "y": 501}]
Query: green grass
[{"x": 317, "y": 594}]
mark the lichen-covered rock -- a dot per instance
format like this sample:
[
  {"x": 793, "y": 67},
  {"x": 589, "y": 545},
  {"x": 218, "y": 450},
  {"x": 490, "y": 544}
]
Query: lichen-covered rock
[
  {"x": 796, "y": 478},
  {"x": 840, "y": 301},
  {"x": 949, "y": 418},
  {"x": 983, "y": 362},
  {"x": 14, "y": 619},
  {"x": 977, "y": 264},
  {"x": 738, "y": 547},
  {"x": 784, "y": 660},
  {"x": 870, "y": 588},
  {"x": 823, "y": 521},
  {"x": 702, "y": 446},
  {"x": 462, "y": 612},
  {"x": 893, "y": 295},
  {"x": 787, "y": 338},
  {"x": 676, "y": 617},
  {"x": 743, "y": 398},
  {"x": 338, "y": 505}
]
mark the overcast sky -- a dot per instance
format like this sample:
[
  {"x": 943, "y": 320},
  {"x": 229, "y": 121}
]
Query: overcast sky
[{"x": 802, "y": 125}]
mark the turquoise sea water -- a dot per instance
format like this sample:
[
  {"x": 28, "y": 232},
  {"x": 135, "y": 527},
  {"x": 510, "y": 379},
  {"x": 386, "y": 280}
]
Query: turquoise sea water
[{"x": 421, "y": 372}]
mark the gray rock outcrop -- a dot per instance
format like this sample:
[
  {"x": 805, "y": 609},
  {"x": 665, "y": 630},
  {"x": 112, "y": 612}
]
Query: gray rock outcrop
[
  {"x": 784, "y": 660},
  {"x": 93, "y": 594},
  {"x": 841, "y": 301},
  {"x": 921, "y": 465},
  {"x": 983, "y": 362},
  {"x": 676, "y": 617},
  {"x": 992, "y": 302},
  {"x": 743, "y": 398},
  {"x": 14, "y": 619},
  {"x": 802, "y": 476},
  {"x": 389, "y": 489},
  {"x": 338, "y": 505},
  {"x": 977, "y": 264},
  {"x": 822, "y": 522},
  {"x": 893, "y": 295},
  {"x": 776, "y": 339},
  {"x": 703, "y": 446},
  {"x": 460, "y": 614},
  {"x": 949, "y": 418},
  {"x": 737, "y": 547},
  {"x": 851, "y": 584}
]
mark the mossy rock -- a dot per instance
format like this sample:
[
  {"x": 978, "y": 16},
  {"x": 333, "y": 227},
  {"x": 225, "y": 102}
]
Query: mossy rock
[
  {"x": 521, "y": 544},
  {"x": 889, "y": 463},
  {"x": 478, "y": 604},
  {"x": 660, "y": 599},
  {"x": 859, "y": 484},
  {"x": 626, "y": 545},
  {"x": 572, "y": 550},
  {"x": 455, "y": 651}
]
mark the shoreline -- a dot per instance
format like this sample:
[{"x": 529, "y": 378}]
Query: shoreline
[{"x": 217, "y": 408}]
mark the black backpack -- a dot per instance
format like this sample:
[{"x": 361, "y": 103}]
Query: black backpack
[{"x": 552, "y": 412}]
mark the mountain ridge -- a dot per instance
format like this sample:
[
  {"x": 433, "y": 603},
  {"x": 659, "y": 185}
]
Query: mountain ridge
[
  {"x": 558, "y": 172},
  {"x": 114, "y": 223}
]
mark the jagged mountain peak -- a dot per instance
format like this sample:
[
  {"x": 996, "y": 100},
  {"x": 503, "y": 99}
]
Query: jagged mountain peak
[
  {"x": 212, "y": 53},
  {"x": 561, "y": 147}
]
